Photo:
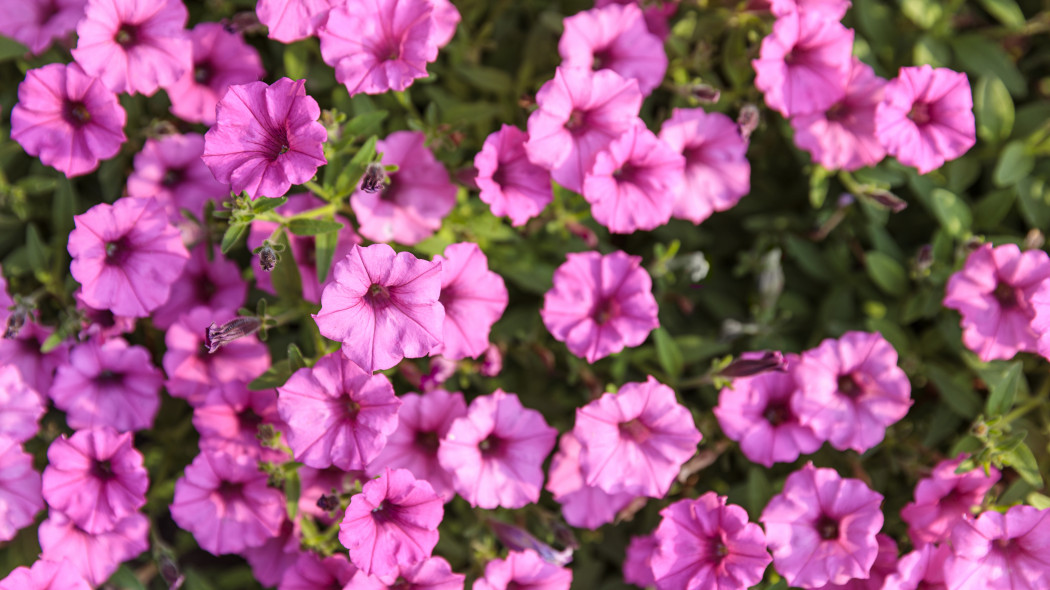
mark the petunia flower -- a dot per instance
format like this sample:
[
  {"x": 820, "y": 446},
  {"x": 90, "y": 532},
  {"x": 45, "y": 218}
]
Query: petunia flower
[
  {"x": 637, "y": 564},
  {"x": 582, "y": 505},
  {"x": 523, "y": 569},
  {"x": 95, "y": 556},
  {"x": 292, "y": 20},
  {"x": 329, "y": 481},
  {"x": 266, "y": 138},
  {"x": 67, "y": 118},
  {"x": 509, "y": 182},
  {"x": 922, "y": 568},
  {"x": 21, "y": 407},
  {"x": 25, "y": 352},
  {"x": 382, "y": 306},
  {"x": 944, "y": 499},
  {"x": 885, "y": 564},
  {"x": 656, "y": 14},
  {"x": 311, "y": 572},
  {"x": 45, "y": 575},
  {"x": 829, "y": 9},
  {"x": 169, "y": 169},
  {"x": 277, "y": 556},
  {"x": 215, "y": 284},
  {"x": 614, "y": 37},
  {"x": 101, "y": 323},
  {"x": 20, "y": 497},
  {"x": 474, "y": 298},
  {"x": 229, "y": 421},
  {"x": 433, "y": 573},
  {"x": 37, "y": 23},
  {"x": 600, "y": 304},
  {"x": 1000, "y": 551}
]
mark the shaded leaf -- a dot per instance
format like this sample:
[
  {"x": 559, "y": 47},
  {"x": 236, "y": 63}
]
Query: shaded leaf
[
  {"x": 887, "y": 273},
  {"x": 313, "y": 227}
]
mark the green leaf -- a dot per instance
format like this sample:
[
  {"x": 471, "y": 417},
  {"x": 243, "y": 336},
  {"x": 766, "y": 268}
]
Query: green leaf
[
  {"x": 933, "y": 51},
  {"x": 1034, "y": 201},
  {"x": 233, "y": 236},
  {"x": 487, "y": 78},
  {"x": 1038, "y": 501},
  {"x": 370, "y": 123},
  {"x": 264, "y": 204},
  {"x": 295, "y": 358},
  {"x": 63, "y": 207},
  {"x": 285, "y": 276},
  {"x": 955, "y": 390},
  {"x": 36, "y": 249},
  {"x": 1022, "y": 461},
  {"x": 667, "y": 352},
  {"x": 1015, "y": 164},
  {"x": 1003, "y": 383},
  {"x": 313, "y": 227},
  {"x": 1005, "y": 11},
  {"x": 992, "y": 209},
  {"x": 951, "y": 211},
  {"x": 275, "y": 376},
  {"x": 982, "y": 57},
  {"x": 125, "y": 579},
  {"x": 887, "y": 273},
  {"x": 324, "y": 250},
  {"x": 11, "y": 49},
  {"x": 924, "y": 13},
  {"x": 818, "y": 186},
  {"x": 352, "y": 172},
  {"x": 296, "y": 60},
  {"x": 994, "y": 109},
  {"x": 35, "y": 185}
]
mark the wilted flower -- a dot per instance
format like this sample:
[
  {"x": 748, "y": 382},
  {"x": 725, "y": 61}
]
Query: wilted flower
[
  {"x": 218, "y": 336},
  {"x": 374, "y": 178}
]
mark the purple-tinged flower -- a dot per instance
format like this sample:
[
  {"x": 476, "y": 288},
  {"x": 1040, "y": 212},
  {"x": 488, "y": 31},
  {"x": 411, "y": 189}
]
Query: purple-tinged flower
[
  {"x": 821, "y": 528},
  {"x": 445, "y": 20},
  {"x": 922, "y": 568},
  {"x": 995, "y": 292},
  {"x": 885, "y": 564},
  {"x": 926, "y": 117},
  {"x": 169, "y": 169},
  {"x": 379, "y": 45},
  {"x": 636, "y": 440},
  {"x": 525, "y": 570},
  {"x": 580, "y": 112},
  {"x": 1001, "y": 551},
  {"x": 433, "y": 573},
  {"x": 518, "y": 539},
  {"x": 126, "y": 256},
  {"x": 25, "y": 352},
  {"x": 215, "y": 284},
  {"x": 96, "y": 556},
  {"x": 707, "y": 543},
  {"x": 474, "y": 298},
  {"x": 804, "y": 63},
  {"x": 392, "y": 523},
  {"x": 292, "y": 20},
  {"x": 218, "y": 336},
  {"x": 944, "y": 499},
  {"x": 37, "y": 23},
  {"x": 600, "y": 304},
  {"x": 134, "y": 46},
  {"x": 95, "y": 477},
  {"x": 67, "y": 118},
  {"x": 225, "y": 502},
  {"x": 495, "y": 453},
  {"x": 20, "y": 497},
  {"x": 417, "y": 197},
  {"x": 20, "y": 406},
  {"x": 331, "y": 482},
  {"x": 509, "y": 182},
  {"x": 337, "y": 414},
  {"x": 656, "y": 14},
  {"x": 717, "y": 173},
  {"x": 278, "y": 555},
  {"x": 229, "y": 421},
  {"x": 266, "y": 138},
  {"x": 582, "y": 505},
  {"x": 45, "y": 575},
  {"x": 751, "y": 364},
  {"x": 828, "y": 9},
  {"x": 852, "y": 389},
  {"x": 312, "y": 572},
  {"x": 614, "y": 37},
  {"x": 637, "y": 564},
  {"x": 441, "y": 370},
  {"x": 383, "y": 306},
  {"x": 101, "y": 323}
]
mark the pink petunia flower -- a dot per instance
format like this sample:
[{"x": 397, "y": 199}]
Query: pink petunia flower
[
  {"x": 419, "y": 195},
  {"x": 67, "y": 118},
  {"x": 656, "y": 14},
  {"x": 509, "y": 182},
  {"x": 314, "y": 483},
  {"x": 523, "y": 569},
  {"x": 126, "y": 256},
  {"x": 1000, "y": 551},
  {"x": 229, "y": 420},
  {"x": 25, "y": 352},
  {"x": 582, "y": 505},
  {"x": 852, "y": 389},
  {"x": 311, "y": 572},
  {"x": 169, "y": 169},
  {"x": 101, "y": 323},
  {"x": 277, "y": 556},
  {"x": 37, "y": 23},
  {"x": 433, "y": 573},
  {"x": 717, "y": 173},
  {"x": 392, "y": 523},
  {"x": 20, "y": 497},
  {"x": 636, "y": 440},
  {"x": 944, "y": 499},
  {"x": 382, "y": 306},
  {"x": 95, "y": 556},
  {"x": 580, "y": 112},
  {"x": 821, "y": 528},
  {"x": 885, "y": 564},
  {"x": 474, "y": 298},
  {"x": 804, "y": 63},
  {"x": 45, "y": 575},
  {"x": 226, "y": 504},
  {"x": 108, "y": 384},
  {"x": 21, "y": 407},
  {"x": 134, "y": 47},
  {"x": 922, "y": 568},
  {"x": 614, "y": 37},
  {"x": 337, "y": 414},
  {"x": 292, "y": 20},
  {"x": 445, "y": 20},
  {"x": 632, "y": 184},
  {"x": 996, "y": 293},
  {"x": 495, "y": 453},
  {"x": 637, "y": 564},
  {"x": 266, "y": 138},
  {"x": 600, "y": 304},
  {"x": 215, "y": 284},
  {"x": 829, "y": 9},
  {"x": 926, "y": 117},
  {"x": 379, "y": 45}
]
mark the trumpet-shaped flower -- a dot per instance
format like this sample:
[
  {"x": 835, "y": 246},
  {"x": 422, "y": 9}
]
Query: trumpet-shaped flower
[
  {"x": 37, "y": 23},
  {"x": 1000, "y": 551},
  {"x": 509, "y": 182},
  {"x": 45, "y": 575},
  {"x": 169, "y": 169},
  {"x": 20, "y": 497},
  {"x": 20, "y": 406},
  {"x": 95, "y": 555},
  {"x": 583, "y": 505},
  {"x": 292, "y": 20},
  {"x": 614, "y": 37},
  {"x": 524, "y": 569},
  {"x": 944, "y": 499},
  {"x": 474, "y": 298}
]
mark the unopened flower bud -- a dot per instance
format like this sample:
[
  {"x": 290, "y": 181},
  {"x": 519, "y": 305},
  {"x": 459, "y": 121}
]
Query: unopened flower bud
[
  {"x": 924, "y": 259},
  {"x": 219, "y": 336},
  {"x": 1034, "y": 240},
  {"x": 493, "y": 362},
  {"x": 374, "y": 178},
  {"x": 519, "y": 540},
  {"x": 328, "y": 502},
  {"x": 752, "y": 364},
  {"x": 16, "y": 321},
  {"x": 888, "y": 200},
  {"x": 441, "y": 369},
  {"x": 747, "y": 120},
  {"x": 705, "y": 93},
  {"x": 267, "y": 258}
]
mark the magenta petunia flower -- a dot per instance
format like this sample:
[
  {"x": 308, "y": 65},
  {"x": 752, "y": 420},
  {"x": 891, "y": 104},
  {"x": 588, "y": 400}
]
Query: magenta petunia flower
[
  {"x": 95, "y": 477},
  {"x": 101, "y": 323},
  {"x": 134, "y": 46},
  {"x": 422, "y": 422},
  {"x": 580, "y": 112},
  {"x": 20, "y": 497},
  {"x": 37, "y": 23},
  {"x": 277, "y": 556},
  {"x": 312, "y": 572},
  {"x": 215, "y": 284},
  {"x": 95, "y": 556},
  {"x": 633, "y": 182},
  {"x": 169, "y": 169},
  {"x": 600, "y": 304},
  {"x": 707, "y": 543},
  {"x": 314, "y": 483},
  {"x": 614, "y": 37},
  {"x": 995, "y": 292},
  {"x": 292, "y": 20},
  {"x": 474, "y": 298},
  {"x": 108, "y": 384},
  {"x": 829, "y": 9},
  {"x": 21, "y": 407},
  {"x": 126, "y": 256},
  {"x": 382, "y": 306},
  {"x": 756, "y": 412},
  {"x": 337, "y": 414},
  {"x": 852, "y": 389},
  {"x": 45, "y": 575},
  {"x": 266, "y": 138},
  {"x": 229, "y": 419},
  {"x": 1001, "y": 551},
  {"x": 926, "y": 117},
  {"x": 944, "y": 498},
  {"x": 922, "y": 568},
  {"x": 509, "y": 182},
  {"x": 67, "y": 118},
  {"x": 392, "y": 523},
  {"x": 433, "y": 573},
  {"x": 419, "y": 195},
  {"x": 226, "y": 504},
  {"x": 637, "y": 564},
  {"x": 582, "y": 505},
  {"x": 446, "y": 19},
  {"x": 656, "y": 14},
  {"x": 636, "y": 440},
  {"x": 25, "y": 352},
  {"x": 495, "y": 453},
  {"x": 523, "y": 569},
  {"x": 717, "y": 173},
  {"x": 379, "y": 45},
  {"x": 821, "y": 528},
  {"x": 885, "y": 564},
  {"x": 804, "y": 63}
]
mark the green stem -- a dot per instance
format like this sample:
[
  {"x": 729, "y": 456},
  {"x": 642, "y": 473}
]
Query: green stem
[
  {"x": 318, "y": 190},
  {"x": 1033, "y": 402}
]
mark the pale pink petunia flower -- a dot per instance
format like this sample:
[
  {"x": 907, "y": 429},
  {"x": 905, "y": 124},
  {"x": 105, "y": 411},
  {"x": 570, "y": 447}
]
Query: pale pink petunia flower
[
  {"x": 25, "y": 352},
  {"x": 312, "y": 572},
  {"x": 266, "y": 138},
  {"x": 392, "y": 523},
  {"x": 67, "y": 118},
  {"x": 996, "y": 293},
  {"x": 315, "y": 483},
  {"x": 45, "y": 575},
  {"x": 600, "y": 304},
  {"x": 852, "y": 390},
  {"x": 523, "y": 569},
  {"x": 278, "y": 555},
  {"x": 656, "y": 13},
  {"x": 410, "y": 207},
  {"x": 229, "y": 421},
  {"x": 582, "y": 505},
  {"x": 337, "y": 414},
  {"x": 821, "y": 528},
  {"x": 37, "y": 23},
  {"x": 509, "y": 182},
  {"x": 21, "y": 407},
  {"x": 717, "y": 172},
  {"x": 998, "y": 551},
  {"x": 495, "y": 453},
  {"x": 95, "y": 556},
  {"x": 637, "y": 564},
  {"x": 580, "y": 112},
  {"x": 885, "y": 565},
  {"x": 383, "y": 306},
  {"x": 169, "y": 169},
  {"x": 292, "y": 20},
  {"x": 829, "y": 9},
  {"x": 474, "y": 298},
  {"x": 926, "y": 117},
  {"x": 614, "y": 37},
  {"x": 445, "y": 20},
  {"x": 922, "y": 568},
  {"x": 944, "y": 498},
  {"x": 215, "y": 284},
  {"x": 134, "y": 46},
  {"x": 20, "y": 497}
]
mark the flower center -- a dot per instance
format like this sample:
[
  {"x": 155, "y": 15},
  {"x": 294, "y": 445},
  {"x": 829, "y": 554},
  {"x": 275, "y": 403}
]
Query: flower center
[
  {"x": 836, "y": 112},
  {"x": 127, "y": 35},
  {"x": 108, "y": 378},
  {"x": 602, "y": 59},
  {"x": 118, "y": 251},
  {"x": 577, "y": 122},
  {"x": 76, "y": 113},
  {"x": 384, "y": 512},
  {"x": 849, "y": 387},
  {"x": 102, "y": 470},
  {"x": 378, "y": 296},
  {"x": 352, "y": 409},
  {"x": 249, "y": 421},
  {"x": 428, "y": 440},
  {"x": 777, "y": 413},
  {"x": 202, "y": 73},
  {"x": 1006, "y": 296},
  {"x": 635, "y": 431},
  {"x": 491, "y": 447},
  {"x": 920, "y": 113},
  {"x": 230, "y": 491},
  {"x": 605, "y": 310},
  {"x": 828, "y": 528},
  {"x": 172, "y": 178}
]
